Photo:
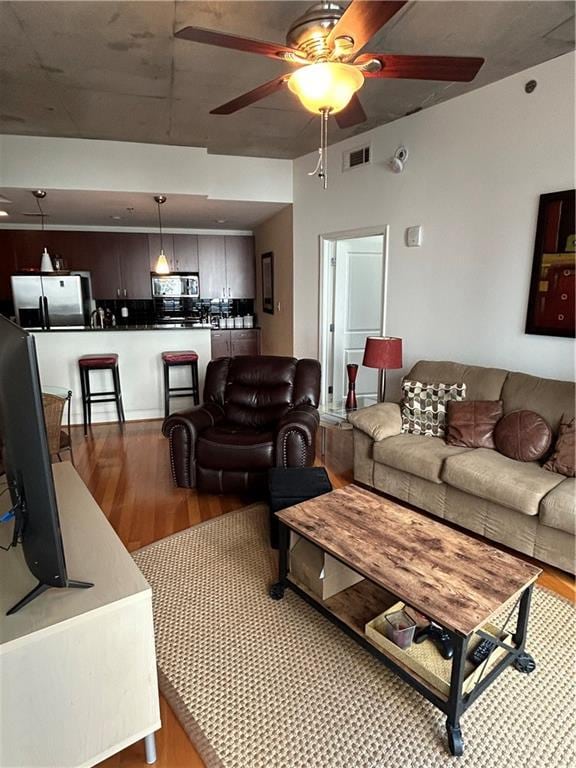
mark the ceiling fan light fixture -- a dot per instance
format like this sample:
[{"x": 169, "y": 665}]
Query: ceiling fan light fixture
[{"x": 327, "y": 86}]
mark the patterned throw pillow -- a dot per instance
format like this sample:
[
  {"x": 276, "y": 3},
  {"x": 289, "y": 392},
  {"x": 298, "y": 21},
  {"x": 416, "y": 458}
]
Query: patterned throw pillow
[{"x": 424, "y": 406}]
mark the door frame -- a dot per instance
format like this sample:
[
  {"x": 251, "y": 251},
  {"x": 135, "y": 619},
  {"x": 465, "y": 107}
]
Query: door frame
[{"x": 328, "y": 243}]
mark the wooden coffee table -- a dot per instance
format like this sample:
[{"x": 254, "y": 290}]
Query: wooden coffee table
[{"x": 455, "y": 580}]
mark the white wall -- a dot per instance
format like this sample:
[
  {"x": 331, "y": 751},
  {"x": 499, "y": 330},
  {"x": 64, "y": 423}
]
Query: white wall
[
  {"x": 35, "y": 162},
  {"x": 477, "y": 166}
]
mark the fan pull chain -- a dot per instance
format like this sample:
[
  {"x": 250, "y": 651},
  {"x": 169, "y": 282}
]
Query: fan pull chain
[{"x": 321, "y": 169}]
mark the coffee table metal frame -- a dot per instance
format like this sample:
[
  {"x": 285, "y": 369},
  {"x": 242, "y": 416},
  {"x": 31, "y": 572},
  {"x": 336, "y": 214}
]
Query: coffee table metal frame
[{"x": 457, "y": 702}]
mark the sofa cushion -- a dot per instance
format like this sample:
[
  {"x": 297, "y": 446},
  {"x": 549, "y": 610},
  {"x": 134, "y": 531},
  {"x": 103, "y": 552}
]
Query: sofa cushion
[
  {"x": 481, "y": 383},
  {"x": 419, "y": 455},
  {"x": 471, "y": 423},
  {"x": 229, "y": 446},
  {"x": 424, "y": 406},
  {"x": 378, "y": 421},
  {"x": 550, "y": 398},
  {"x": 558, "y": 508},
  {"x": 523, "y": 435},
  {"x": 492, "y": 476},
  {"x": 563, "y": 458}
]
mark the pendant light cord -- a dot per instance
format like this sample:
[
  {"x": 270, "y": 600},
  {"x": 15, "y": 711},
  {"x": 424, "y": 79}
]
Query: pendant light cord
[
  {"x": 160, "y": 226},
  {"x": 323, "y": 173},
  {"x": 41, "y": 212},
  {"x": 321, "y": 169}
]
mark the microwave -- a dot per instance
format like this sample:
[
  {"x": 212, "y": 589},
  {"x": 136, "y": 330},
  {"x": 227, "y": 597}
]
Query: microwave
[{"x": 176, "y": 286}]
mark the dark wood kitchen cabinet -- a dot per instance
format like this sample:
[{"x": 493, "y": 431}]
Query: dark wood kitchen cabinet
[
  {"x": 212, "y": 266},
  {"x": 186, "y": 253},
  {"x": 240, "y": 276},
  {"x": 228, "y": 342},
  {"x": 226, "y": 265},
  {"x": 120, "y": 262},
  {"x": 7, "y": 264},
  {"x": 181, "y": 252},
  {"x": 117, "y": 262},
  {"x": 134, "y": 266}
]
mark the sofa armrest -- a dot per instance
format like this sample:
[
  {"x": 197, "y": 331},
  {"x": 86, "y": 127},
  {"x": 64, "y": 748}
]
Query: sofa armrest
[
  {"x": 296, "y": 437},
  {"x": 182, "y": 430},
  {"x": 378, "y": 421}
]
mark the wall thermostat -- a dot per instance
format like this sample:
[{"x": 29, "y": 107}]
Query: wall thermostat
[{"x": 414, "y": 237}]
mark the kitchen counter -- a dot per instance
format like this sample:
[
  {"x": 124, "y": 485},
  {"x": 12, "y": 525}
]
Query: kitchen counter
[
  {"x": 139, "y": 350},
  {"x": 116, "y": 328}
]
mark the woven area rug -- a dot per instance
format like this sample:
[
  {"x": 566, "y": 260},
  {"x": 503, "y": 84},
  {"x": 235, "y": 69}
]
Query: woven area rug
[{"x": 264, "y": 684}]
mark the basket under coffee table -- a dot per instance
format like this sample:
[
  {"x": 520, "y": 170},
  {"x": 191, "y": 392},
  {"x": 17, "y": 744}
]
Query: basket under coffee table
[{"x": 455, "y": 580}]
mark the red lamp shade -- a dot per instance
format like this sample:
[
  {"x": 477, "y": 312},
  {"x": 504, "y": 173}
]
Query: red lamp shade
[{"x": 384, "y": 352}]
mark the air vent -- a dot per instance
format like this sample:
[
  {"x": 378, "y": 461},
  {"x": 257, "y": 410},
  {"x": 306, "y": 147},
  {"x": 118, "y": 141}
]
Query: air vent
[{"x": 355, "y": 158}]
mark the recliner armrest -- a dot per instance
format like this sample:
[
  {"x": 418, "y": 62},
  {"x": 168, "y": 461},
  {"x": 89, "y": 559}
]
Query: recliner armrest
[
  {"x": 378, "y": 421},
  {"x": 182, "y": 430},
  {"x": 296, "y": 437}
]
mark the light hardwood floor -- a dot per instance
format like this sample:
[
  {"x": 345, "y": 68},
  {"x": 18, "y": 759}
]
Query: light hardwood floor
[{"x": 128, "y": 473}]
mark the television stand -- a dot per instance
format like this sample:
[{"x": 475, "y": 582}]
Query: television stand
[
  {"x": 41, "y": 588},
  {"x": 80, "y": 663}
]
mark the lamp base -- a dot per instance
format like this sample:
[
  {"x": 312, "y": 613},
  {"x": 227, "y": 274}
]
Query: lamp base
[{"x": 381, "y": 385}]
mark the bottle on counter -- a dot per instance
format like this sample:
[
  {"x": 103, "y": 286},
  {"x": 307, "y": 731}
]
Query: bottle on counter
[{"x": 238, "y": 323}]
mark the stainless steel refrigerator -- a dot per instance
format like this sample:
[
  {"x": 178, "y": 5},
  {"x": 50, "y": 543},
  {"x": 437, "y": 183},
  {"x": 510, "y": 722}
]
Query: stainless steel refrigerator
[{"x": 51, "y": 301}]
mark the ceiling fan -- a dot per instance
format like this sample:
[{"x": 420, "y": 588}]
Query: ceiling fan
[{"x": 325, "y": 44}]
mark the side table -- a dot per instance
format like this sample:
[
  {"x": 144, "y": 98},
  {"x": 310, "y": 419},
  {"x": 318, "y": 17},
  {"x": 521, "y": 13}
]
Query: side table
[{"x": 335, "y": 416}]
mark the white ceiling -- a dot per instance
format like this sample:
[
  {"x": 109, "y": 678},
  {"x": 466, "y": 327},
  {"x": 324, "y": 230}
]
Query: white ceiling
[
  {"x": 113, "y": 70},
  {"x": 136, "y": 210}
]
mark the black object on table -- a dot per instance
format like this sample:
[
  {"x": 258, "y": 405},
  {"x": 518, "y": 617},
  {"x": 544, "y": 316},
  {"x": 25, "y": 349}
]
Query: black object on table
[{"x": 293, "y": 485}]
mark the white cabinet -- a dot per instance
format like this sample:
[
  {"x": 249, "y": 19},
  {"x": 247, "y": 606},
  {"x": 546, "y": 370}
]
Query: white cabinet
[{"x": 77, "y": 666}]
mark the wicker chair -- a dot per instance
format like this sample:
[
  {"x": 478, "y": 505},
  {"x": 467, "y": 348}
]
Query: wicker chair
[{"x": 58, "y": 439}]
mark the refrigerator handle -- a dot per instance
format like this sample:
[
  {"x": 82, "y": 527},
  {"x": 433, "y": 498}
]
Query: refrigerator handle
[
  {"x": 41, "y": 311},
  {"x": 46, "y": 314}
]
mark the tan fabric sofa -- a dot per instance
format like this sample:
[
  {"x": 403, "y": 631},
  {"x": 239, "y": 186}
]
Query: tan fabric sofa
[{"x": 520, "y": 505}]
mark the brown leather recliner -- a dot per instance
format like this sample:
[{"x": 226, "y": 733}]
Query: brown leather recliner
[{"x": 258, "y": 412}]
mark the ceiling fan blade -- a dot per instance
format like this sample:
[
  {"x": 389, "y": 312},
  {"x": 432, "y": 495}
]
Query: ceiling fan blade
[
  {"x": 246, "y": 44},
  {"x": 361, "y": 20},
  {"x": 252, "y": 96},
  {"x": 351, "y": 115},
  {"x": 454, "y": 69}
]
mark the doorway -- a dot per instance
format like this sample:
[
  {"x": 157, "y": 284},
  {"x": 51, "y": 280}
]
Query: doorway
[{"x": 352, "y": 307}]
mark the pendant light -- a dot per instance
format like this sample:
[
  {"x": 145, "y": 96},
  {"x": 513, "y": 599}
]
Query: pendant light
[
  {"x": 45, "y": 262},
  {"x": 162, "y": 267}
]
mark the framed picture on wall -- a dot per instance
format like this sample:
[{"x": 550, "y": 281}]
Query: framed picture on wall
[
  {"x": 551, "y": 308},
  {"x": 268, "y": 283}
]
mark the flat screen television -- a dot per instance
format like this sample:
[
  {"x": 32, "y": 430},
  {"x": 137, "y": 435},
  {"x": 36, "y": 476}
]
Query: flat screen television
[{"x": 26, "y": 461}]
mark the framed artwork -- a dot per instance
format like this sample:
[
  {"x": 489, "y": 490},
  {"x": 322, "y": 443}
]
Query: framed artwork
[
  {"x": 268, "y": 283},
  {"x": 551, "y": 301}
]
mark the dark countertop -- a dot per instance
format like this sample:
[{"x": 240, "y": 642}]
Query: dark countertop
[{"x": 118, "y": 328}]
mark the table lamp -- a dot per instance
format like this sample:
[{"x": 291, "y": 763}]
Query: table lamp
[{"x": 384, "y": 353}]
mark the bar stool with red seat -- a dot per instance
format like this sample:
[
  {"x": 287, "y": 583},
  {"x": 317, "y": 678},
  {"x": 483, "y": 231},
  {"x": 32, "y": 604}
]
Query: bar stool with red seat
[
  {"x": 169, "y": 359},
  {"x": 88, "y": 363}
]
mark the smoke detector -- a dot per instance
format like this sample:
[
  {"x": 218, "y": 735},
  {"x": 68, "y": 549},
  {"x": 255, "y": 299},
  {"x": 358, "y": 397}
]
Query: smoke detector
[{"x": 398, "y": 162}]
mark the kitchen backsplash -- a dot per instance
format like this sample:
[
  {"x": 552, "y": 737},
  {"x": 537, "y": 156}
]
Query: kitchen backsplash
[{"x": 143, "y": 311}]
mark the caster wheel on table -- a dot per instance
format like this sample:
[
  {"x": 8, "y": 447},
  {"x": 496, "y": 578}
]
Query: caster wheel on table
[
  {"x": 525, "y": 663},
  {"x": 455, "y": 741},
  {"x": 276, "y": 591}
]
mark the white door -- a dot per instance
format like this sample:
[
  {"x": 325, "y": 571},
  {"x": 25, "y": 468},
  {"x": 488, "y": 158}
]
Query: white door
[{"x": 359, "y": 292}]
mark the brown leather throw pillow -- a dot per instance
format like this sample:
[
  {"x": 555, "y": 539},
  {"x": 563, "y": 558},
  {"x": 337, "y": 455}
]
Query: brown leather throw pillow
[
  {"x": 563, "y": 459},
  {"x": 523, "y": 435},
  {"x": 471, "y": 422}
]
